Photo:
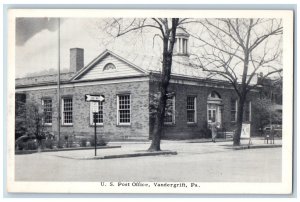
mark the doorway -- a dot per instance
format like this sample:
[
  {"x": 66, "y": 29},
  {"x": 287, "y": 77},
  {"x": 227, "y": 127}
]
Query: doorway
[{"x": 214, "y": 107}]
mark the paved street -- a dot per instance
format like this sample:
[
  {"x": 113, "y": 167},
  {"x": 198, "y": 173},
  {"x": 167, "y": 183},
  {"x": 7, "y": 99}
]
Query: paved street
[{"x": 201, "y": 162}]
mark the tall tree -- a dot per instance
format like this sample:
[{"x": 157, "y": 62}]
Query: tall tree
[
  {"x": 238, "y": 49},
  {"x": 166, "y": 28}
]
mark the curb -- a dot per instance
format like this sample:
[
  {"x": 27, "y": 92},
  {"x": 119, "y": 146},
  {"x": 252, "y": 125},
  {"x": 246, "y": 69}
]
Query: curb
[
  {"x": 255, "y": 147},
  {"x": 130, "y": 155},
  {"x": 65, "y": 149},
  {"x": 209, "y": 141},
  {"x": 140, "y": 154}
]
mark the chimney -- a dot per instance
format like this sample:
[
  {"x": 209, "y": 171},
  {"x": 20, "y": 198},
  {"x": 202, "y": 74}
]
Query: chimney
[{"x": 76, "y": 59}]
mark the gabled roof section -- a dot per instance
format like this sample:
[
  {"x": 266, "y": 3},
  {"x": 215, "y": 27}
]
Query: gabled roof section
[
  {"x": 44, "y": 79},
  {"x": 95, "y": 69}
]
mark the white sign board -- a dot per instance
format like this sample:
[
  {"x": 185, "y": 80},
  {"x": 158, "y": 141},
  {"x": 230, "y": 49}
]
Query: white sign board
[
  {"x": 95, "y": 107},
  {"x": 90, "y": 98},
  {"x": 245, "y": 130}
]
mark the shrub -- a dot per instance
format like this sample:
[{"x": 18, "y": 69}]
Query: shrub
[
  {"x": 61, "y": 143},
  {"x": 43, "y": 144},
  {"x": 49, "y": 144},
  {"x": 29, "y": 145},
  {"x": 26, "y": 142},
  {"x": 100, "y": 141},
  {"x": 32, "y": 145},
  {"x": 205, "y": 131},
  {"x": 83, "y": 142}
]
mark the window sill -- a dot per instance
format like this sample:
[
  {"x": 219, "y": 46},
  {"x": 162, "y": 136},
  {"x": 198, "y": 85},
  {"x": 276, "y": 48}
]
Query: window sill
[
  {"x": 123, "y": 125},
  {"x": 64, "y": 125},
  {"x": 97, "y": 125},
  {"x": 191, "y": 124},
  {"x": 48, "y": 124},
  {"x": 170, "y": 124}
]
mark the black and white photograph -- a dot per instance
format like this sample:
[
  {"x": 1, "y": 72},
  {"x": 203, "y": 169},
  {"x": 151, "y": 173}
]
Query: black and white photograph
[{"x": 150, "y": 101}]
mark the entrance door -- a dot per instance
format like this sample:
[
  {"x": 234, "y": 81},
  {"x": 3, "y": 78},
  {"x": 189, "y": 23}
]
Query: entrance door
[
  {"x": 214, "y": 107},
  {"x": 211, "y": 112}
]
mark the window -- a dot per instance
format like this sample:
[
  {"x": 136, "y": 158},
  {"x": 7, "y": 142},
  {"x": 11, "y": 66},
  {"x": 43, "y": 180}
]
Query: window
[
  {"x": 99, "y": 115},
  {"x": 247, "y": 112},
  {"x": 184, "y": 46},
  {"x": 191, "y": 109},
  {"x": 233, "y": 110},
  {"x": 67, "y": 113},
  {"x": 124, "y": 109},
  {"x": 211, "y": 112},
  {"x": 170, "y": 111},
  {"x": 180, "y": 45},
  {"x": 109, "y": 66},
  {"x": 47, "y": 109},
  {"x": 175, "y": 46}
]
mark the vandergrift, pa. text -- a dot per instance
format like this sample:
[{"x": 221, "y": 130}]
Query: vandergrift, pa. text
[{"x": 151, "y": 184}]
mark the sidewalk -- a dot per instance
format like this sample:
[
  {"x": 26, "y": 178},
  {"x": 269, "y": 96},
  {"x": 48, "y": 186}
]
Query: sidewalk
[{"x": 169, "y": 147}]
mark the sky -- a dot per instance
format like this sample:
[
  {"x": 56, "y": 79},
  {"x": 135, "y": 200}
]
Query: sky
[{"x": 37, "y": 43}]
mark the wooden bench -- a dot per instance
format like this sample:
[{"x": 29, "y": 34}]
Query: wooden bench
[
  {"x": 269, "y": 136},
  {"x": 226, "y": 134}
]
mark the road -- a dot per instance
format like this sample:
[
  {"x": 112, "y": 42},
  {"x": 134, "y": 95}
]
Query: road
[{"x": 211, "y": 165}]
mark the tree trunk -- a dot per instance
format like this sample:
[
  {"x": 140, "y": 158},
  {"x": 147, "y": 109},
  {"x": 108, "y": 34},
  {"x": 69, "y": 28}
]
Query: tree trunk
[
  {"x": 168, "y": 44},
  {"x": 159, "y": 119},
  {"x": 157, "y": 131},
  {"x": 240, "y": 113},
  {"x": 242, "y": 98}
]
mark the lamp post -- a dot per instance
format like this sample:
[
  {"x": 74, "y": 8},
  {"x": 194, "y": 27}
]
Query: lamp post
[{"x": 58, "y": 81}]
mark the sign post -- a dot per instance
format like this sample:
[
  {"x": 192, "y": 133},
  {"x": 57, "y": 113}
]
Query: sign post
[
  {"x": 95, "y": 100},
  {"x": 245, "y": 134},
  {"x": 95, "y": 139}
]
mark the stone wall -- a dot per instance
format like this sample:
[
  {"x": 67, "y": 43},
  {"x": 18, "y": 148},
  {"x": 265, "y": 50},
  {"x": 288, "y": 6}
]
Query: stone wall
[
  {"x": 183, "y": 130},
  {"x": 141, "y": 124},
  {"x": 139, "y": 128}
]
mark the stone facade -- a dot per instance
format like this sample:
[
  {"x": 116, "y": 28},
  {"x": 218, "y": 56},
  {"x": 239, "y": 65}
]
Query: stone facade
[
  {"x": 138, "y": 129},
  {"x": 140, "y": 84},
  {"x": 141, "y": 125},
  {"x": 181, "y": 129}
]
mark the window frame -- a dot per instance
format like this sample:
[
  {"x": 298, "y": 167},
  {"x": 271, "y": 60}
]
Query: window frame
[
  {"x": 235, "y": 110},
  {"x": 173, "y": 112},
  {"x": 213, "y": 110},
  {"x": 194, "y": 110},
  {"x": 110, "y": 69},
  {"x": 62, "y": 112},
  {"x": 118, "y": 110},
  {"x": 92, "y": 115},
  {"x": 43, "y": 104},
  {"x": 248, "y": 118},
  {"x": 184, "y": 44}
]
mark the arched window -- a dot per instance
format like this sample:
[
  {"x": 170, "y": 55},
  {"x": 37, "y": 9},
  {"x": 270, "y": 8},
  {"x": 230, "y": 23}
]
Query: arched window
[
  {"x": 214, "y": 94},
  {"x": 109, "y": 66}
]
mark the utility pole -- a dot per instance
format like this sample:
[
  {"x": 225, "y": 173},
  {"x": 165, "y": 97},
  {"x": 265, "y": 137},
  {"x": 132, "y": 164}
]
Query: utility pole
[
  {"x": 58, "y": 81},
  {"x": 95, "y": 126}
]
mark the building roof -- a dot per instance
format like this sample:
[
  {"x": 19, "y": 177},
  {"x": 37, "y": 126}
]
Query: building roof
[
  {"x": 144, "y": 64},
  {"x": 181, "y": 32},
  {"x": 181, "y": 65},
  {"x": 43, "y": 79}
]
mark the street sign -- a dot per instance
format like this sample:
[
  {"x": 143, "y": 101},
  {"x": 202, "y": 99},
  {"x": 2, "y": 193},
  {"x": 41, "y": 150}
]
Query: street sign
[
  {"x": 245, "y": 130},
  {"x": 95, "y": 107},
  {"x": 245, "y": 133},
  {"x": 94, "y": 98}
]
